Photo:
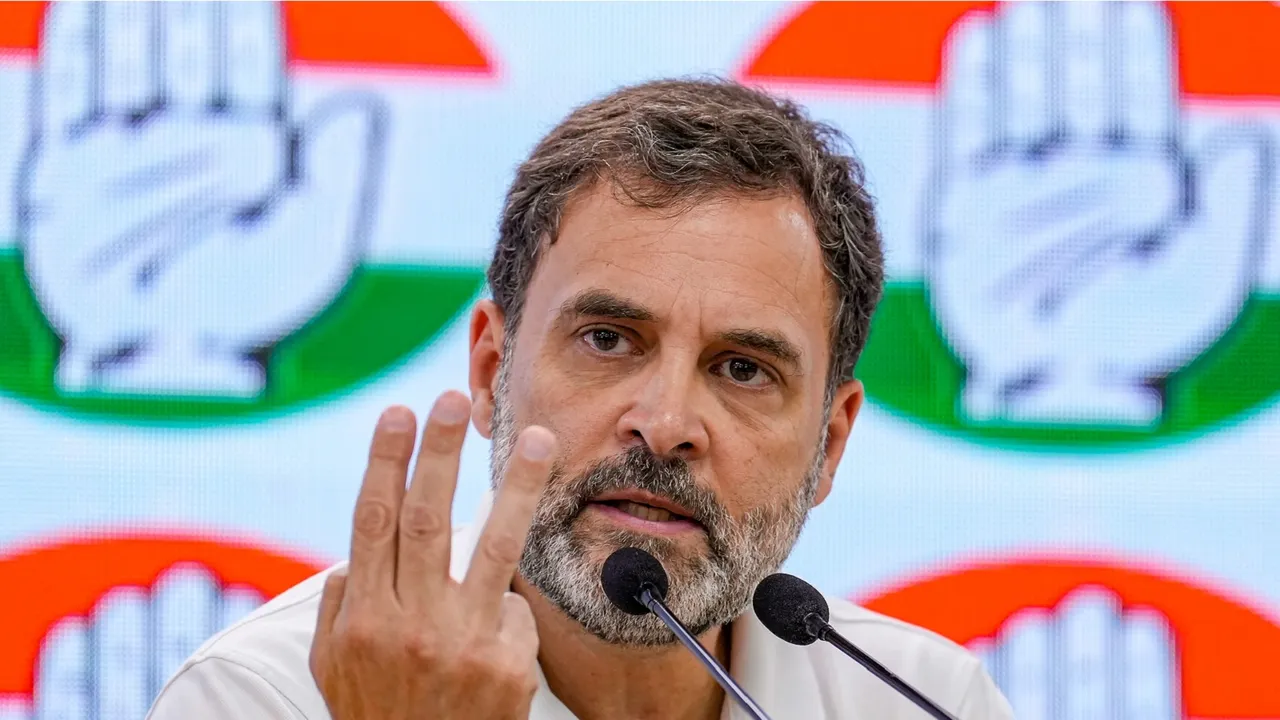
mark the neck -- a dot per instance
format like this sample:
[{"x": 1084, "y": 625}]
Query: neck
[{"x": 596, "y": 680}]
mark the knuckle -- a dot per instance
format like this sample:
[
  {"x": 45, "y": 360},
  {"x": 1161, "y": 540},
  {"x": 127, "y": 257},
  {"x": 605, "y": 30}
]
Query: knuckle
[
  {"x": 357, "y": 635},
  {"x": 515, "y": 677},
  {"x": 374, "y": 519},
  {"x": 501, "y": 549},
  {"x": 422, "y": 648},
  {"x": 421, "y": 521},
  {"x": 443, "y": 440}
]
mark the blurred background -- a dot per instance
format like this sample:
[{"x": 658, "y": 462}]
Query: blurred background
[{"x": 230, "y": 234}]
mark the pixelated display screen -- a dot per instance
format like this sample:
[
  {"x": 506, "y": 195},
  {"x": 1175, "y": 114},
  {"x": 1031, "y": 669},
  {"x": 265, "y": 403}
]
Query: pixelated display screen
[{"x": 230, "y": 234}]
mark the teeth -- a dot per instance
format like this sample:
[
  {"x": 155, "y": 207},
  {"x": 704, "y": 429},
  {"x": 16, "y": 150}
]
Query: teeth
[{"x": 644, "y": 512}]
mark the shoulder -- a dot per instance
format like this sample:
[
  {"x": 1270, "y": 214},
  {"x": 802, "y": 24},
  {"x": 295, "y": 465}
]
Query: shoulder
[
  {"x": 262, "y": 659},
  {"x": 941, "y": 669}
]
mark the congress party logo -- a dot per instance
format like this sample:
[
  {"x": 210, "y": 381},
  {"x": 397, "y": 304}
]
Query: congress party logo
[
  {"x": 1092, "y": 208},
  {"x": 94, "y": 628},
  {"x": 191, "y": 189},
  {"x": 1086, "y": 639}
]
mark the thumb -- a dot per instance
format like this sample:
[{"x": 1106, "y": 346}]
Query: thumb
[
  {"x": 336, "y": 155},
  {"x": 1231, "y": 192},
  {"x": 516, "y": 624}
]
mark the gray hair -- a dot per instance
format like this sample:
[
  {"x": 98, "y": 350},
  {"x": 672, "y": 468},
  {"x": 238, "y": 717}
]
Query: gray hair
[{"x": 674, "y": 143}]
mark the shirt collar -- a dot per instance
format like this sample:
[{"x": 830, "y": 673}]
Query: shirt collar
[{"x": 780, "y": 677}]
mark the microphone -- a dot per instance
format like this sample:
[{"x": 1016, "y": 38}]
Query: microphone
[
  {"x": 796, "y": 612},
  {"x": 636, "y": 584}
]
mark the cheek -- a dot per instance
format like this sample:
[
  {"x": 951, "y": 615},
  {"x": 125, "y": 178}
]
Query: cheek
[
  {"x": 758, "y": 475},
  {"x": 583, "y": 422}
]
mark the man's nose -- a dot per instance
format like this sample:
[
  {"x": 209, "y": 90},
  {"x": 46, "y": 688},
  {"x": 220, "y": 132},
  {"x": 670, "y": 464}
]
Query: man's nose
[{"x": 665, "y": 413}]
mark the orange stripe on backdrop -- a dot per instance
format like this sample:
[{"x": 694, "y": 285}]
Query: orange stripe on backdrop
[
  {"x": 405, "y": 34},
  {"x": 1229, "y": 653},
  {"x": 42, "y": 586},
  {"x": 888, "y": 42},
  {"x": 1225, "y": 49},
  {"x": 20, "y": 25}
]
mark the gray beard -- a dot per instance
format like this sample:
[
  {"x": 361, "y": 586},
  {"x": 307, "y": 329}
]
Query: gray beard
[{"x": 563, "y": 561}]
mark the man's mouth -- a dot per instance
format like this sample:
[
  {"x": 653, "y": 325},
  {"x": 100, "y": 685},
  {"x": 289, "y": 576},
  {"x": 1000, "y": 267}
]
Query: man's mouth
[{"x": 645, "y": 511}]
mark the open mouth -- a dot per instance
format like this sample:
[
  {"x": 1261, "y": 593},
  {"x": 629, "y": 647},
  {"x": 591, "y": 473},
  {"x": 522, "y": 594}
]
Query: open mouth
[
  {"x": 646, "y": 512},
  {"x": 643, "y": 511}
]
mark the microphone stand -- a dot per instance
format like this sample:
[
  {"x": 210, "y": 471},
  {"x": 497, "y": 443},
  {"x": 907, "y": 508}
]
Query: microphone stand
[
  {"x": 822, "y": 630},
  {"x": 652, "y": 599}
]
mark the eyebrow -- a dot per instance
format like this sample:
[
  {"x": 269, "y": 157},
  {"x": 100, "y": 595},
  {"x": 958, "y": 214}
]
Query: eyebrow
[
  {"x": 596, "y": 302},
  {"x": 764, "y": 341}
]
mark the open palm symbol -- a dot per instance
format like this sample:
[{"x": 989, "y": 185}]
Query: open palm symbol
[
  {"x": 176, "y": 219},
  {"x": 1080, "y": 251}
]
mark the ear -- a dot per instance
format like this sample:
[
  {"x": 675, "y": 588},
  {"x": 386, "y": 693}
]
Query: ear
[
  {"x": 487, "y": 325},
  {"x": 844, "y": 410}
]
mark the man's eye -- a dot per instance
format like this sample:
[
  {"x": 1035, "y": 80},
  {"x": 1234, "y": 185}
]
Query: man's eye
[
  {"x": 743, "y": 372},
  {"x": 607, "y": 341}
]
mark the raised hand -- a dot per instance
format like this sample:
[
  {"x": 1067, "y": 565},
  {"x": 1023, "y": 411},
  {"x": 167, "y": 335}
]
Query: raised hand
[
  {"x": 1080, "y": 252},
  {"x": 397, "y": 637},
  {"x": 176, "y": 218},
  {"x": 1087, "y": 659}
]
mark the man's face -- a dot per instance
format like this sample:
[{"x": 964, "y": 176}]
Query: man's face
[{"x": 681, "y": 359}]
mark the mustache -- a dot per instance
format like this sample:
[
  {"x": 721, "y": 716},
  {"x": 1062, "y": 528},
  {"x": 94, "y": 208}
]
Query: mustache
[{"x": 637, "y": 469}]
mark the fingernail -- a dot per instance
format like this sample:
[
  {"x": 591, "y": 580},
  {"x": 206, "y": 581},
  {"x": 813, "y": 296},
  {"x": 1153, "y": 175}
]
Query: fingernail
[
  {"x": 397, "y": 418},
  {"x": 452, "y": 409},
  {"x": 537, "y": 443}
]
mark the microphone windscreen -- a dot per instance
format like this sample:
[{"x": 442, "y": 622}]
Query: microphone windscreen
[
  {"x": 626, "y": 572},
  {"x": 782, "y": 602}
]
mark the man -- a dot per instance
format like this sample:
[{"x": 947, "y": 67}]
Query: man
[{"x": 683, "y": 281}]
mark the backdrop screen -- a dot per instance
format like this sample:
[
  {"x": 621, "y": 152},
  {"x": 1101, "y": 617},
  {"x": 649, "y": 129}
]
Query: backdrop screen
[{"x": 230, "y": 234}]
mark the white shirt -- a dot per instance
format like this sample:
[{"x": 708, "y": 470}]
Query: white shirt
[{"x": 258, "y": 668}]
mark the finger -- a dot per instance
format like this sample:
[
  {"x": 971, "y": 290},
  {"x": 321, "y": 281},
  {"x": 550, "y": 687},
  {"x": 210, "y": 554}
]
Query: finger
[
  {"x": 253, "y": 43},
  {"x": 1088, "y": 618},
  {"x": 422, "y": 563},
  {"x": 502, "y": 541},
  {"x": 1025, "y": 66},
  {"x": 1088, "y": 47},
  {"x": 130, "y": 68},
  {"x": 1146, "y": 73},
  {"x": 1150, "y": 666},
  {"x": 338, "y": 155},
  {"x": 970, "y": 114},
  {"x": 70, "y": 67},
  {"x": 1028, "y": 681},
  {"x": 516, "y": 626},
  {"x": 188, "y": 59},
  {"x": 371, "y": 572},
  {"x": 335, "y": 586},
  {"x": 1232, "y": 185}
]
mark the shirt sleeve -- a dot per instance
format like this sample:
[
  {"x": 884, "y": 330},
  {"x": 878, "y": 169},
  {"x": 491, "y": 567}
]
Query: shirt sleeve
[
  {"x": 220, "y": 689},
  {"x": 983, "y": 700}
]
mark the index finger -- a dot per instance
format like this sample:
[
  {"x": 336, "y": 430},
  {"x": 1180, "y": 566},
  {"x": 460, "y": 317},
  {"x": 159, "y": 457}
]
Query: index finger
[
  {"x": 371, "y": 572},
  {"x": 502, "y": 542}
]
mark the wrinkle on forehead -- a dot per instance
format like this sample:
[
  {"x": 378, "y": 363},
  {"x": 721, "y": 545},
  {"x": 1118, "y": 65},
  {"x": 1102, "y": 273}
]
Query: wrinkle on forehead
[
  {"x": 736, "y": 261},
  {"x": 763, "y": 246}
]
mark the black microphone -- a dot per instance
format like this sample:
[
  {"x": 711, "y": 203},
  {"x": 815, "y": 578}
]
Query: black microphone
[
  {"x": 635, "y": 582},
  {"x": 795, "y": 611}
]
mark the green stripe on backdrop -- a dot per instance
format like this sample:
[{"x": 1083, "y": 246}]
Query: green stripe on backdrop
[{"x": 386, "y": 314}]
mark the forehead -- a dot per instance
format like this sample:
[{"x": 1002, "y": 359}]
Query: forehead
[{"x": 740, "y": 261}]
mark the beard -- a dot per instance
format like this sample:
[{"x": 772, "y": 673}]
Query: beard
[{"x": 563, "y": 557}]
